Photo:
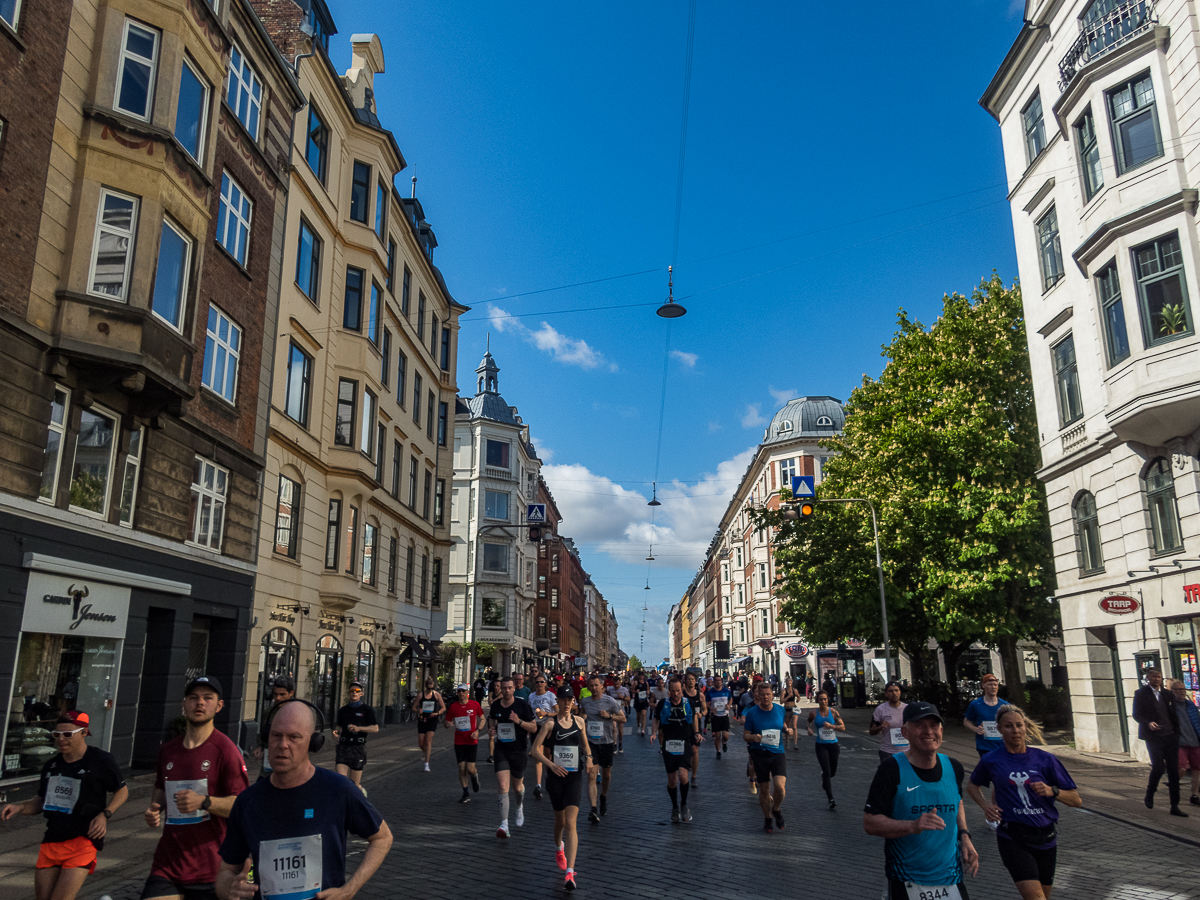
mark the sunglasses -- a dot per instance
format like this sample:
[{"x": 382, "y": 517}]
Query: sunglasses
[
  {"x": 59, "y": 735},
  {"x": 356, "y": 690}
]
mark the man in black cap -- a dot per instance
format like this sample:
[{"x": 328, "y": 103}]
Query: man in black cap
[
  {"x": 915, "y": 804},
  {"x": 355, "y": 721}
]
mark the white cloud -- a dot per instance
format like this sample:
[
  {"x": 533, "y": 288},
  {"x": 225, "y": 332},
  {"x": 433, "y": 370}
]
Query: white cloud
[
  {"x": 714, "y": 426},
  {"x": 545, "y": 454},
  {"x": 688, "y": 360},
  {"x": 753, "y": 416},
  {"x": 783, "y": 396},
  {"x": 563, "y": 349},
  {"x": 501, "y": 321}
]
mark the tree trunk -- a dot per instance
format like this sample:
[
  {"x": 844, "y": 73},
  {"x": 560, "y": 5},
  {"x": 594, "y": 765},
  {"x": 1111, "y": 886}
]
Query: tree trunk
[{"x": 1014, "y": 670}]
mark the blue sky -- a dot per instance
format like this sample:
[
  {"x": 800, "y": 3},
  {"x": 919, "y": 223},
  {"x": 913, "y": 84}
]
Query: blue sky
[{"x": 836, "y": 170}]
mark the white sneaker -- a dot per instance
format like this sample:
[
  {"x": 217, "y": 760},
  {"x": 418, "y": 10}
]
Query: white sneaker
[
  {"x": 521, "y": 815},
  {"x": 426, "y": 767},
  {"x": 502, "y": 831}
]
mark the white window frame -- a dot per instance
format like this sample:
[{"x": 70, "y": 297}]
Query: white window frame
[
  {"x": 112, "y": 463},
  {"x": 16, "y": 16},
  {"x": 228, "y": 183},
  {"x": 187, "y": 277},
  {"x": 762, "y": 576},
  {"x": 61, "y": 430},
  {"x": 507, "y": 504},
  {"x": 218, "y": 499},
  {"x": 366, "y": 426},
  {"x": 202, "y": 137},
  {"x": 153, "y": 63},
  {"x": 101, "y": 228},
  {"x": 230, "y": 353},
  {"x": 504, "y": 556},
  {"x": 133, "y": 462},
  {"x": 245, "y": 88}
]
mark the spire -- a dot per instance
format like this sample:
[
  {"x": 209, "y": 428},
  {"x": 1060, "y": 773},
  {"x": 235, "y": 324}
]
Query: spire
[{"x": 488, "y": 371}]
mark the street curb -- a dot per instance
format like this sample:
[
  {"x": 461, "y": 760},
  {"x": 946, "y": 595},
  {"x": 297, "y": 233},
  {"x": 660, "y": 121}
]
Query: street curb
[{"x": 1175, "y": 837}]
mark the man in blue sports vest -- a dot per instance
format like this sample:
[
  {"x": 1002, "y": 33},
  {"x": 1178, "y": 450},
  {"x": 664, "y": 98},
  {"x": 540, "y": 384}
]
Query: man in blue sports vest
[{"x": 915, "y": 804}]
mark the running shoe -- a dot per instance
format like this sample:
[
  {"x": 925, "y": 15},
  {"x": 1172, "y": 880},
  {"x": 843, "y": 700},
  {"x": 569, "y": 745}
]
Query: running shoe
[
  {"x": 779, "y": 819},
  {"x": 594, "y": 817},
  {"x": 767, "y": 826},
  {"x": 674, "y": 815},
  {"x": 718, "y": 754},
  {"x": 685, "y": 813},
  {"x": 465, "y": 798},
  {"x": 521, "y": 816},
  {"x": 694, "y": 784},
  {"x": 537, "y": 792},
  {"x": 502, "y": 831},
  {"x": 489, "y": 759},
  {"x": 1176, "y": 811},
  {"x": 753, "y": 786},
  {"x": 620, "y": 749},
  {"x": 561, "y": 858},
  {"x": 603, "y": 805},
  {"x": 569, "y": 882},
  {"x": 426, "y": 767},
  {"x": 1195, "y": 801},
  {"x": 832, "y": 803},
  {"x": 475, "y": 783}
]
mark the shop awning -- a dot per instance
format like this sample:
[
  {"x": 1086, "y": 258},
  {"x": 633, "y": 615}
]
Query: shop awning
[
  {"x": 738, "y": 660},
  {"x": 410, "y": 645},
  {"x": 427, "y": 649}
]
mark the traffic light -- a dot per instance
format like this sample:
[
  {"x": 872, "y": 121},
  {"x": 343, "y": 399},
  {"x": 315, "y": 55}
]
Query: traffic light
[
  {"x": 535, "y": 533},
  {"x": 806, "y": 508}
]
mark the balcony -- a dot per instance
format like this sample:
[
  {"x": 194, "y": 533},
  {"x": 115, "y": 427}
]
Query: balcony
[{"x": 1125, "y": 21}]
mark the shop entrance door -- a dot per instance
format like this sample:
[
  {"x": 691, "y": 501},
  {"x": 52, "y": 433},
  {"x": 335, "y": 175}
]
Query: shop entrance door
[
  {"x": 1109, "y": 636},
  {"x": 327, "y": 686}
]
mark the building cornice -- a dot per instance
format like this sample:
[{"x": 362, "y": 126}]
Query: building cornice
[{"x": 1097, "y": 242}]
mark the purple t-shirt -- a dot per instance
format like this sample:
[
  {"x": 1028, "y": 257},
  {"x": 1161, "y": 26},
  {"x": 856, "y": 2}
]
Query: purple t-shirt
[{"x": 1011, "y": 772}]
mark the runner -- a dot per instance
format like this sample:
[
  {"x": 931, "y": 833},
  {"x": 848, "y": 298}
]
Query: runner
[
  {"x": 790, "y": 698},
  {"x": 675, "y": 720},
  {"x": 622, "y": 695},
  {"x": 605, "y": 719},
  {"x": 355, "y": 721},
  {"x": 888, "y": 719},
  {"x": 545, "y": 705},
  {"x": 465, "y": 716},
  {"x": 745, "y": 701},
  {"x": 198, "y": 776},
  {"x": 282, "y": 688},
  {"x": 641, "y": 701},
  {"x": 1028, "y": 783},
  {"x": 560, "y": 745},
  {"x": 981, "y": 716},
  {"x": 520, "y": 688},
  {"x": 695, "y": 696},
  {"x": 72, "y": 794},
  {"x": 429, "y": 707},
  {"x": 765, "y": 734},
  {"x": 719, "y": 698},
  {"x": 510, "y": 722},
  {"x": 292, "y": 827},
  {"x": 828, "y": 722},
  {"x": 926, "y": 843}
]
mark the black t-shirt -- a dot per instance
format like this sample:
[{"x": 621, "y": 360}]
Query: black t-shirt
[
  {"x": 882, "y": 796},
  {"x": 499, "y": 715},
  {"x": 80, "y": 791},
  {"x": 360, "y": 716},
  {"x": 679, "y": 725}
]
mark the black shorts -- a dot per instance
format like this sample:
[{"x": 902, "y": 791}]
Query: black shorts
[
  {"x": 564, "y": 790},
  {"x": 424, "y": 726},
  {"x": 641, "y": 704},
  {"x": 720, "y": 723},
  {"x": 897, "y": 890},
  {"x": 352, "y": 755},
  {"x": 1025, "y": 863},
  {"x": 465, "y": 753},
  {"x": 513, "y": 760},
  {"x": 768, "y": 765},
  {"x": 602, "y": 754},
  {"x": 675, "y": 763},
  {"x": 157, "y": 886}
]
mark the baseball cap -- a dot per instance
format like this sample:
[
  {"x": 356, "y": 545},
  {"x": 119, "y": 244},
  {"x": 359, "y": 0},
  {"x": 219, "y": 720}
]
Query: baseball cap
[
  {"x": 564, "y": 692},
  {"x": 204, "y": 681},
  {"x": 356, "y": 684},
  {"x": 78, "y": 719},
  {"x": 463, "y": 687},
  {"x": 920, "y": 709}
]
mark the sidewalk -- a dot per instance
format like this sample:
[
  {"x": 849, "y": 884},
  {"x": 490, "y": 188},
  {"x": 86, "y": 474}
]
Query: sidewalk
[{"x": 1111, "y": 786}]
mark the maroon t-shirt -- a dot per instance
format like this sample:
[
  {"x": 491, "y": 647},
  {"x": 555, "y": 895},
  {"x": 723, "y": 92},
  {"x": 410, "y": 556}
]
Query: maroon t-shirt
[{"x": 187, "y": 851}]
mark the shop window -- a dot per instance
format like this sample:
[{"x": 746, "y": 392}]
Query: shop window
[
  {"x": 209, "y": 487},
  {"x": 278, "y": 657},
  {"x": 327, "y": 671},
  {"x": 91, "y": 476},
  {"x": 52, "y": 457},
  {"x": 364, "y": 671}
]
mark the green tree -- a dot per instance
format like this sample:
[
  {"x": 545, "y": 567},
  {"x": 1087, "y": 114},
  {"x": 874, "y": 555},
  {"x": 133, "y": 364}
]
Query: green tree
[
  {"x": 945, "y": 443},
  {"x": 634, "y": 663}
]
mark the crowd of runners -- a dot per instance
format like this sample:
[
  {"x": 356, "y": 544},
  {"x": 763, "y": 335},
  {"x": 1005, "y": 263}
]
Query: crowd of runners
[{"x": 285, "y": 835}]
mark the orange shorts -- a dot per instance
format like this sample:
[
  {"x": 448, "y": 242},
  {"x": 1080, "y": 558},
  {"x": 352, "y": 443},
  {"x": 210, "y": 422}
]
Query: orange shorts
[{"x": 73, "y": 854}]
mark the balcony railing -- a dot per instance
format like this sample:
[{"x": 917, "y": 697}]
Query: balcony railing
[
  {"x": 1122, "y": 23},
  {"x": 1076, "y": 437}
]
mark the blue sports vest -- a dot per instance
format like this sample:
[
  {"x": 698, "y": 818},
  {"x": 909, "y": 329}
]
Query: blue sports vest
[{"x": 928, "y": 857}]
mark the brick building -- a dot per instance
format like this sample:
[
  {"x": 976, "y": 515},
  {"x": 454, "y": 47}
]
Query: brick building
[{"x": 561, "y": 635}]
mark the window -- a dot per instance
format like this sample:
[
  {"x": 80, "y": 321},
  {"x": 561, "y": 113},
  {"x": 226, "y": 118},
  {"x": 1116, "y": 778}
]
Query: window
[
  {"x": 787, "y": 470},
  {"x": 1087, "y": 535},
  {"x": 222, "y": 348},
  {"x": 439, "y": 502},
  {"x": 316, "y": 150},
  {"x": 380, "y": 451},
  {"x": 554, "y": 598},
  {"x": 1113, "y": 313},
  {"x": 737, "y": 553},
  {"x": 343, "y": 433},
  {"x": 244, "y": 92},
  {"x": 1066, "y": 380},
  {"x": 397, "y": 459},
  {"x": 112, "y": 248},
  {"x": 373, "y": 317},
  {"x": 427, "y": 495},
  {"x": 191, "y": 112},
  {"x": 358, "y": 192},
  {"x": 409, "y": 565},
  {"x": 209, "y": 485},
  {"x": 91, "y": 476},
  {"x": 762, "y": 576},
  {"x": 742, "y": 628},
  {"x": 391, "y": 267},
  {"x": 405, "y": 290},
  {"x": 497, "y": 454},
  {"x": 445, "y": 360},
  {"x": 299, "y": 384},
  {"x": 1161, "y": 290},
  {"x": 495, "y": 505},
  {"x": 412, "y": 482},
  {"x": 1164, "y": 516},
  {"x": 421, "y": 316},
  {"x": 1035, "y": 128},
  {"x": 10, "y": 11},
  {"x": 401, "y": 375},
  {"x": 287, "y": 517},
  {"x": 435, "y": 592},
  {"x": 171, "y": 275},
  {"x": 351, "y": 537},
  {"x": 494, "y": 612},
  {"x": 727, "y": 612},
  {"x": 129, "y": 481},
  {"x": 495, "y": 558},
  {"x": 541, "y": 626},
  {"x": 135, "y": 76},
  {"x": 233, "y": 219},
  {"x": 308, "y": 261},
  {"x": 352, "y": 305},
  {"x": 366, "y": 432},
  {"x": 416, "y": 398},
  {"x": 333, "y": 530},
  {"x": 380, "y": 209},
  {"x": 1049, "y": 249},
  {"x": 370, "y": 534},
  {"x": 443, "y": 415},
  {"x": 430, "y": 401},
  {"x": 1134, "y": 123},
  {"x": 392, "y": 559},
  {"x": 725, "y": 572},
  {"x": 554, "y": 631},
  {"x": 554, "y": 563},
  {"x": 765, "y": 622},
  {"x": 52, "y": 458},
  {"x": 1089, "y": 154},
  {"x": 386, "y": 358},
  {"x": 433, "y": 337},
  {"x": 424, "y": 577}
]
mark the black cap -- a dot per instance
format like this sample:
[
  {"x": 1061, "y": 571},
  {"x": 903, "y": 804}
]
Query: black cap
[
  {"x": 921, "y": 710},
  {"x": 207, "y": 681},
  {"x": 565, "y": 692}
]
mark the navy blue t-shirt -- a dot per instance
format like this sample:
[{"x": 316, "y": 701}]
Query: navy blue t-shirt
[{"x": 328, "y": 805}]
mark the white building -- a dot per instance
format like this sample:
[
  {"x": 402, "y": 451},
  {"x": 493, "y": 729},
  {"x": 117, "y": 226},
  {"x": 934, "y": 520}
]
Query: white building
[{"x": 1097, "y": 112}]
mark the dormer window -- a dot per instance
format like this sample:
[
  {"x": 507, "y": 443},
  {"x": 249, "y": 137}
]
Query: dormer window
[
  {"x": 824, "y": 422},
  {"x": 784, "y": 428}
]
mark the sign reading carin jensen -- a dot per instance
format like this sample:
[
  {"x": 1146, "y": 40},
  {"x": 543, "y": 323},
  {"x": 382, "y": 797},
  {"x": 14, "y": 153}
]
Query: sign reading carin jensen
[{"x": 59, "y": 604}]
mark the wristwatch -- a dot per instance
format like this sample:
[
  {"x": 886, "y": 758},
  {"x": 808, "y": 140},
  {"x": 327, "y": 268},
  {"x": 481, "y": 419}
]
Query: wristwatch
[
  {"x": 1054, "y": 788},
  {"x": 206, "y": 803},
  {"x": 107, "y": 813},
  {"x": 963, "y": 834}
]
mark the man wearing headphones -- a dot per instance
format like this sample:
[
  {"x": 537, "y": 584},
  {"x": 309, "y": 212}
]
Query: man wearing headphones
[{"x": 289, "y": 831}]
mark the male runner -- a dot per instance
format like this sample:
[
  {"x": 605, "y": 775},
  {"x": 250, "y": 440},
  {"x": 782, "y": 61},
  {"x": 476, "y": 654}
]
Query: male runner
[
  {"x": 355, "y": 721},
  {"x": 510, "y": 722},
  {"x": 675, "y": 720},
  {"x": 282, "y": 688},
  {"x": 604, "y": 719},
  {"x": 465, "y": 716},
  {"x": 545, "y": 705},
  {"x": 764, "y": 732},
  {"x": 641, "y": 701},
  {"x": 292, "y": 828},
  {"x": 695, "y": 696},
  {"x": 981, "y": 716},
  {"x": 888, "y": 718},
  {"x": 520, "y": 688},
  {"x": 198, "y": 776},
  {"x": 719, "y": 699}
]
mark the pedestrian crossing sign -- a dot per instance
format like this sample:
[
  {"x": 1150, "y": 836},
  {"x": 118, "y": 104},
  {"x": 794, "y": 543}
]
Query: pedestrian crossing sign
[
  {"x": 803, "y": 486},
  {"x": 535, "y": 514}
]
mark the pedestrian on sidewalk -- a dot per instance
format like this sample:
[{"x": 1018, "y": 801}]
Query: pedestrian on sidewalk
[
  {"x": 1189, "y": 736},
  {"x": 981, "y": 716},
  {"x": 888, "y": 719},
  {"x": 1028, "y": 783},
  {"x": 1158, "y": 725}
]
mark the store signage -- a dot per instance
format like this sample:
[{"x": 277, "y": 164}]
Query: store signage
[
  {"x": 59, "y": 604},
  {"x": 767, "y": 644},
  {"x": 286, "y": 618},
  {"x": 855, "y": 643},
  {"x": 796, "y": 651},
  {"x": 1191, "y": 593},
  {"x": 1119, "y": 605}
]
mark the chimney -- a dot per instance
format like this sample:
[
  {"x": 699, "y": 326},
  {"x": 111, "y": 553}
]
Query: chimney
[
  {"x": 283, "y": 20},
  {"x": 366, "y": 61}
]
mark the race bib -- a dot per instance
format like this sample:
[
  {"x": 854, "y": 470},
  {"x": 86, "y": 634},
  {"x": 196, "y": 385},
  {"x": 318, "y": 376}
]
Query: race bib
[
  {"x": 174, "y": 815},
  {"x": 595, "y": 729},
  {"x": 675, "y": 748},
  {"x": 506, "y": 732},
  {"x": 991, "y": 730},
  {"x": 770, "y": 737},
  {"x": 290, "y": 868},
  {"x": 641, "y": 695},
  {"x": 718, "y": 705},
  {"x": 827, "y": 733},
  {"x": 428, "y": 706},
  {"x": 898, "y": 738},
  {"x": 567, "y": 757},
  {"x": 462, "y": 723},
  {"x": 932, "y": 892},
  {"x": 61, "y": 794}
]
